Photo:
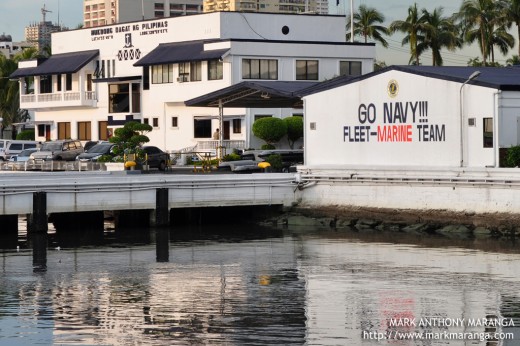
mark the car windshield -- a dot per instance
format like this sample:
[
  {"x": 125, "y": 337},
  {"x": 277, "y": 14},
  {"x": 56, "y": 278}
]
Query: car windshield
[
  {"x": 27, "y": 152},
  {"x": 51, "y": 146},
  {"x": 102, "y": 148}
]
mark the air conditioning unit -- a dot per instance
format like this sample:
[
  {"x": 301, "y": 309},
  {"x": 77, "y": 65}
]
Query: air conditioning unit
[{"x": 182, "y": 79}]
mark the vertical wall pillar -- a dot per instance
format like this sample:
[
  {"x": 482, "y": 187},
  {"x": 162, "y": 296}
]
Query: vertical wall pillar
[
  {"x": 39, "y": 228},
  {"x": 161, "y": 215}
]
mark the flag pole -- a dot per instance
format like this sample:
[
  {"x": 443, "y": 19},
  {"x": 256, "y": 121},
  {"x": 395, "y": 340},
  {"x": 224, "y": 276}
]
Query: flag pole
[{"x": 351, "y": 20}]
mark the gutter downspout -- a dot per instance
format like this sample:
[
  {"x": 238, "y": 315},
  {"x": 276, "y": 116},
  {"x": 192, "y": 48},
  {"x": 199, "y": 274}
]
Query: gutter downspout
[{"x": 496, "y": 106}]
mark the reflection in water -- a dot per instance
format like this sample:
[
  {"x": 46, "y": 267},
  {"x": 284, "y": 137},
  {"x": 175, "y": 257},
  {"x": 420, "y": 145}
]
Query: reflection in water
[{"x": 256, "y": 287}]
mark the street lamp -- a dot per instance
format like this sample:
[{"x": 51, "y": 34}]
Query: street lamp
[{"x": 470, "y": 78}]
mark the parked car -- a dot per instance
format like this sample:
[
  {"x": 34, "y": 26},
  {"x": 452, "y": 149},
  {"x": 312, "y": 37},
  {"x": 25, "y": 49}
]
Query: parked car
[
  {"x": 65, "y": 150},
  {"x": 15, "y": 147},
  {"x": 95, "y": 152},
  {"x": 3, "y": 145},
  {"x": 156, "y": 158},
  {"x": 20, "y": 161},
  {"x": 250, "y": 159}
]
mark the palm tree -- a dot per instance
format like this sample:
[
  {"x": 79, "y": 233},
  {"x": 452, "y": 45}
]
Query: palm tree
[
  {"x": 366, "y": 25},
  {"x": 500, "y": 38},
  {"x": 514, "y": 60},
  {"x": 478, "y": 19},
  {"x": 9, "y": 94},
  {"x": 413, "y": 27},
  {"x": 439, "y": 32},
  {"x": 512, "y": 15}
]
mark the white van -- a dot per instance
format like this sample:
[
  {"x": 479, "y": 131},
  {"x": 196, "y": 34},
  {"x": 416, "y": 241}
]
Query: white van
[
  {"x": 15, "y": 147},
  {"x": 3, "y": 145}
]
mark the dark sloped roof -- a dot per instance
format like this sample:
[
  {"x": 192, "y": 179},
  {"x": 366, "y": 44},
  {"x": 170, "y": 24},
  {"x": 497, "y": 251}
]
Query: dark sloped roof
[
  {"x": 500, "y": 78},
  {"x": 255, "y": 94},
  {"x": 58, "y": 63},
  {"x": 171, "y": 53}
]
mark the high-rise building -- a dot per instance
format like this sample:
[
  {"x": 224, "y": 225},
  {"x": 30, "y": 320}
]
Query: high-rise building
[
  {"x": 268, "y": 6},
  {"x": 39, "y": 34},
  {"x": 106, "y": 12},
  {"x": 9, "y": 48}
]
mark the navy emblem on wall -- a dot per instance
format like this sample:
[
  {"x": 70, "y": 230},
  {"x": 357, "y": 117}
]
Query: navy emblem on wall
[{"x": 128, "y": 52}]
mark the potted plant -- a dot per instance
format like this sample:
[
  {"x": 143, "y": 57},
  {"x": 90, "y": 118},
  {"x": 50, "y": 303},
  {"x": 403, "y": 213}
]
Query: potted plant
[{"x": 128, "y": 141}]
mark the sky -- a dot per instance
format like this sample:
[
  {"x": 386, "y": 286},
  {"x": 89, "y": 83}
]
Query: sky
[{"x": 16, "y": 14}]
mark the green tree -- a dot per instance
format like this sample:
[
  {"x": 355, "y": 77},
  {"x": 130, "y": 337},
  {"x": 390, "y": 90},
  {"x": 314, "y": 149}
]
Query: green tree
[
  {"x": 439, "y": 32},
  {"x": 294, "y": 129},
  {"x": 499, "y": 37},
  {"x": 366, "y": 24},
  {"x": 514, "y": 60},
  {"x": 130, "y": 138},
  {"x": 10, "y": 110},
  {"x": 478, "y": 19},
  {"x": 512, "y": 16},
  {"x": 270, "y": 129},
  {"x": 413, "y": 27}
]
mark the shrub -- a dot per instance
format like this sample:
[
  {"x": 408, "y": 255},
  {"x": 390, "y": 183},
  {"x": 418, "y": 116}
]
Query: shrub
[
  {"x": 270, "y": 129},
  {"x": 513, "y": 156},
  {"x": 294, "y": 129},
  {"x": 267, "y": 147},
  {"x": 27, "y": 135},
  {"x": 129, "y": 138},
  {"x": 231, "y": 157},
  {"x": 275, "y": 160}
]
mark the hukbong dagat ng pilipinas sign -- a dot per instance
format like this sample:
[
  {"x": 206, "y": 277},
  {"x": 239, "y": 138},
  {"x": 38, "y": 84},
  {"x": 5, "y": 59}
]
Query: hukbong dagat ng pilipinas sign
[{"x": 394, "y": 122}]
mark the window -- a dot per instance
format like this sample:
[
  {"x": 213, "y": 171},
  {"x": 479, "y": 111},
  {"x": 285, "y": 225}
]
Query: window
[
  {"x": 68, "y": 82},
  {"x": 215, "y": 70},
  {"x": 45, "y": 84},
  {"x": 119, "y": 98},
  {"x": 146, "y": 78},
  {"x": 58, "y": 82},
  {"x": 196, "y": 71},
  {"x": 237, "y": 126},
  {"x": 155, "y": 122},
  {"x": 488, "y": 132},
  {"x": 162, "y": 74},
  {"x": 184, "y": 72},
  {"x": 146, "y": 121},
  {"x": 89, "y": 82},
  {"x": 136, "y": 98},
  {"x": 259, "y": 69},
  {"x": 103, "y": 130},
  {"x": 306, "y": 69},
  {"x": 350, "y": 68},
  {"x": 175, "y": 122},
  {"x": 84, "y": 133},
  {"x": 64, "y": 130},
  {"x": 202, "y": 128}
]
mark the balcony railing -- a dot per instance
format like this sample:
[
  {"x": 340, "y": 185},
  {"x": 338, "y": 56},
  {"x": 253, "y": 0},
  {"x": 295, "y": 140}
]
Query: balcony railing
[
  {"x": 74, "y": 98},
  {"x": 228, "y": 144}
]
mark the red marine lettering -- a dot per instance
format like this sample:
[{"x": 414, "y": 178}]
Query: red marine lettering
[{"x": 394, "y": 133}]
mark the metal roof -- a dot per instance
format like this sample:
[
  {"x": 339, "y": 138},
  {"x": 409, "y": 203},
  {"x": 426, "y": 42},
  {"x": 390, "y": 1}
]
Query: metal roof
[
  {"x": 255, "y": 94},
  {"x": 58, "y": 64},
  {"x": 500, "y": 78},
  {"x": 178, "y": 52}
]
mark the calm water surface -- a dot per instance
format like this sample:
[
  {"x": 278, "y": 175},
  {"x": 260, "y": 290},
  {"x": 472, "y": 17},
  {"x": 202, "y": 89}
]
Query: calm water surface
[{"x": 258, "y": 287}]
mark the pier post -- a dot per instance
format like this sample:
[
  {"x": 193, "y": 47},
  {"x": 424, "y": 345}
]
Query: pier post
[
  {"x": 9, "y": 231},
  {"x": 161, "y": 215},
  {"x": 39, "y": 228},
  {"x": 162, "y": 244}
]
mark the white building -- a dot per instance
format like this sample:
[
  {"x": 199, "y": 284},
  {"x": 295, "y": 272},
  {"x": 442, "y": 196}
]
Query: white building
[
  {"x": 98, "y": 78},
  {"x": 414, "y": 138},
  {"x": 417, "y": 116}
]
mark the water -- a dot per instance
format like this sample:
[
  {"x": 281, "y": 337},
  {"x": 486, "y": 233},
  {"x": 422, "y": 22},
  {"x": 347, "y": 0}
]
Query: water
[{"x": 261, "y": 287}]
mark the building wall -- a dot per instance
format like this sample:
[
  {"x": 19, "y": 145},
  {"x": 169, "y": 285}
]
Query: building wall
[{"x": 356, "y": 127}]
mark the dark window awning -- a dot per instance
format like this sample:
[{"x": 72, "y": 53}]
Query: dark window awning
[
  {"x": 255, "y": 94},
  {"x": 171, "y": 53},
  {"x": 58, "y": 64}
]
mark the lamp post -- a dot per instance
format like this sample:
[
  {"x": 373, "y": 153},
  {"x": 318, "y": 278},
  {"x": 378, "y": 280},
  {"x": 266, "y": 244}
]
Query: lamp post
[
  {"x": 470, "y": 78},
  {"x": 1, "y": 127}
]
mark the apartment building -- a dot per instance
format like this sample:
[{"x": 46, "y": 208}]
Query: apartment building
[
  {"x": 267, "y": 6},
  {"x": 106, "y": 12}
]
